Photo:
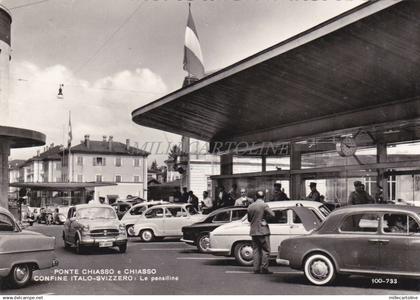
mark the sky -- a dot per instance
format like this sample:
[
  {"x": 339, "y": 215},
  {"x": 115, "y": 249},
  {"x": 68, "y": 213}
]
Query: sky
[{"x": 115, "y": 56}]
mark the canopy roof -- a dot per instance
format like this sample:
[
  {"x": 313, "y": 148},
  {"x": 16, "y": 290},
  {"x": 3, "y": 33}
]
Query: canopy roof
[
  {"x": 358, "y": 70},
  {"x": 59, "y": 186},
  {"x": 20, "y": 138}
]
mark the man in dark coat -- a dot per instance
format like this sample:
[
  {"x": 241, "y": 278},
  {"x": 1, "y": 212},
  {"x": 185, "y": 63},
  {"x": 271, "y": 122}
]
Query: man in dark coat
[
  {"x": 185, "y": 195},
  {"x": 222, "y": 198},
  {"x": 278, "y": 194},
  {"x": 258, "y": 215},
  {"x": 193, "y": 199},
  {"x": 314, "y": 195},
  {"x": 359, "y": 195}
]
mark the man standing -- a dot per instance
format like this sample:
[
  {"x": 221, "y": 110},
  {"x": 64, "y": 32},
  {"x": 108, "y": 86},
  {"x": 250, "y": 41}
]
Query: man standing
[
  {"x": 222, "y": 199},
  {"x": 359, "y": 195},
  {"x": 258, "y": 214},
  {"x": 243, "y": 200},
  {"x": 185, "y": 195},
  {"x": 193, "y": 199},
  {"x": 207, "y": 203},
  {"x": 314, "y": 195},
  {"x": 278, "y": 194}
]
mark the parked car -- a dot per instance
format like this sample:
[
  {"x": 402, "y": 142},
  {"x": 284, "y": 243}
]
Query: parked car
[
  {"x": 197, "y": 234},
  {"x": 27, "y": 216},
  {"x": 133, "y": 214},
  {"x": 46, "y": 215},
  {"x": 93, "y": 225},
  {"x": 121, "y": 207},
  {"x": 23, "y": 251},
  {"x": 165, "y": 220},
  {"x": 233, "y": 239},
  {"x": 363, "y": 239}
]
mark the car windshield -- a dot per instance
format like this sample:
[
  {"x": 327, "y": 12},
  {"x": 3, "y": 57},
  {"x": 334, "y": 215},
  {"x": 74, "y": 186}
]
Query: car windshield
[{"x": 96, "y": 213}]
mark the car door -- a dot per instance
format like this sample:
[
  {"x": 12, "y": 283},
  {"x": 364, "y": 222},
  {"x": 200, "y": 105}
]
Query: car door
[
  {"x": 155, "y": 219},
  {"x": 67, "y": 224},
  {"x": 358, "y": 241},
  {"x": 303, "y": 220},
  {"x": 175, "y": 218},
  {"x": 413, "y": 244},
  {"x": 279, "y": 228},
  {"x": 394, "y": 243}
]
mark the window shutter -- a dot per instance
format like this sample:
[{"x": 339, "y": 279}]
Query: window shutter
[
  {"x": 94, "y": 161},
  {"x": 104, "y": 161}
]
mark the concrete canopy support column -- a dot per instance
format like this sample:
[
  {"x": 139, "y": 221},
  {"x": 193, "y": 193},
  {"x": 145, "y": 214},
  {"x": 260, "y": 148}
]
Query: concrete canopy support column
[
  {"x": 263, "y": 163},
  {"x": 381, "y": 157},
  {"x": 226, "y": 164},
  {"x": 4, "y": 173},
  {"x": 296, "y": 180}
]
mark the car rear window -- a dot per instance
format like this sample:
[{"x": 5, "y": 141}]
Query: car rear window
[
  {"x": 6, "y": 224},
  {"x": 324, "y": 210},
  {"x": 238, "y": 214},
  {"x": 367, "y": 222}
]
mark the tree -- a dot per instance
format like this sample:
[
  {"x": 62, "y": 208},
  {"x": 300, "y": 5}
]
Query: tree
[{"x": 154, "y": 166}]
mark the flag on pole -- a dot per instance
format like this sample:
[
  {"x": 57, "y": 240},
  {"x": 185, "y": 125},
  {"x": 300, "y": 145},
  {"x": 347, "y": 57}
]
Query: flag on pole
[
  {"x": 70, "y": 137},
  {"x": 193, "y": 57}
]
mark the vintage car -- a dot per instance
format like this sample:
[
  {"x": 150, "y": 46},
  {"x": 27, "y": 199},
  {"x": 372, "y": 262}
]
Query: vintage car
[
  {"x": 197, "y": 234},
  {"x": 233, "y": 239},
  {"x": 363, "y": 239},
  {"x": 133, "y": 214},
  {"x": 23, "y": 251},
  {"x": 165, "y": 220},
  {"x": 93, "y": 225}
]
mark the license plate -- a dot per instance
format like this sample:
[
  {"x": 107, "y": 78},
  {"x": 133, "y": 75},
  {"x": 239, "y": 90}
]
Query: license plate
[{"x": 105, "y": 244}]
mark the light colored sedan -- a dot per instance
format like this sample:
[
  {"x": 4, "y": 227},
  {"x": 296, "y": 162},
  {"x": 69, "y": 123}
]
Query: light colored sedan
[
  {"x": 165, "y": 220},
  {"x": 134, "y": 213},
  {"x": 22, "y": 251},
  {"x": 233, "y": 239}
]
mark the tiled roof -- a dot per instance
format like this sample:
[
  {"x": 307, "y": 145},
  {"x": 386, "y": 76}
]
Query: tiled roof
[
  {"x": 53, "y": 153},
  {"x": 102, "y": 147}
]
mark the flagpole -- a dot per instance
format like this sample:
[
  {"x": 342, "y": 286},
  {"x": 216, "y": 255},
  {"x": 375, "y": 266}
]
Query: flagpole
[{"x": 68, "y": 147}]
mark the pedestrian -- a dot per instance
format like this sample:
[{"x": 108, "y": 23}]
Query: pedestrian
[
  {"x": 314, "y": 195},
  {"x": 185, "y": 195},
  {"x": 278, "y": 193},
  {"x": 258, "y": 215},
  {"x": 359, "y": 195},
  {"x": 243, "y": 200},
  {"x": 222, "y": 199},
  {"x": 207, "y": 203},
  {"x": 233, "y": 195},
  {"x": 193, "y": 200}
]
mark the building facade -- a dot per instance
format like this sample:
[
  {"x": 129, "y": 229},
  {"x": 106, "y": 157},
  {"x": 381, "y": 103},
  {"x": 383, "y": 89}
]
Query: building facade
[{"x": 108, "y": 161}]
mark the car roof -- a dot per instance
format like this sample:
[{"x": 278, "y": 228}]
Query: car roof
[
  {"x": 6, "y": 212},
  {"x": 80, "y": 206},
  {"x": 150, "y": 202},
  {"x": 377, "y": 207},
  {"x": 289, "y": 203}
]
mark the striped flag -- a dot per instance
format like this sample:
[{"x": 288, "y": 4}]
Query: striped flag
[
  {"x": 70, "y": 137},
  {"x": 193, "y": 58}
]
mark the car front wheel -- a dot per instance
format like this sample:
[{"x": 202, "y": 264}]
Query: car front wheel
[
  {"x": 122, "y": 248},
  {"x": 130, "y": 230},
  {"x": 79, "y": 248},
  {"x": 244, "y": 253},
  {"x": 20, "y": 275},
  {"x": 203, "y": 242},
  {"x": 147, "y": 235},
  {"x": 319, "y": 269}
]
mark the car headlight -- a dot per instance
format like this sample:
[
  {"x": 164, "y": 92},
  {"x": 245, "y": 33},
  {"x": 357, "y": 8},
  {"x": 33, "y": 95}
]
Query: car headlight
[
  {"x": 85, "y": 229},
  {"x": 122, "y": 229}
]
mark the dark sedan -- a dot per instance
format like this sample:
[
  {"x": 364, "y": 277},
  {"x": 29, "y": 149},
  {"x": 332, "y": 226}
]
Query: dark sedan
[
  {"x": 198, "y": 233},
  {"x": 362, "y": 239}
]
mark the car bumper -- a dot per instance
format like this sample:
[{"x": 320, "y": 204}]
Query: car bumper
[
  {"x": 218, "y": 252},
  {"x": 98, "y": 242},
  {"x": 283, "y": 262},
  {"x": 188, "y": 241}
]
